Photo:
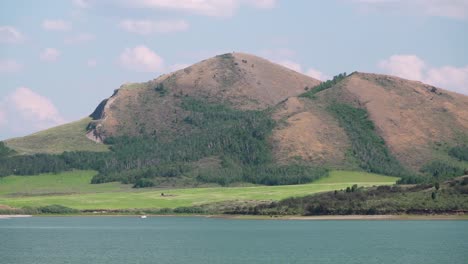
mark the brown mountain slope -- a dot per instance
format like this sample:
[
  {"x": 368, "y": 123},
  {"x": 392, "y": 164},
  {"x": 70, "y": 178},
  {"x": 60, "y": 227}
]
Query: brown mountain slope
[
  {"x": 239, "y": 80},
  {"x": 410, "y": 116},
  {"x": 306, "y": 130},
  {"x": 413, "y": 118}
]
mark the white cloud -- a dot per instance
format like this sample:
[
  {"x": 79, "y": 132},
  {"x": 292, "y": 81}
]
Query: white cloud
[
  {"x": 178, "y": 66},
  {"x": 82, "y": 3},
  {"x": 449, "y": 77},
  {"x": 10, "y": 66},
  {"x": 91, "y": 63},
  {"x": 405, "y": 66},
  {"x": 285, "y": 56},
  {"x": 298, "y": 68},
  {"x": 49, "y": 54},
  {"x": 34, "y": 106},
  {"x": 203, "y": 7},
  {"x": 413, "y": 68},
  {"x": 291, "y": 65},
  {"x": 457, "y": 9},
  {"x": 79, "y": 38},
  {"x": 146, "y": 27},
  {"x": 317, "y": 74},
  {"x": 9, "y": 34},
  {"x": 142, "y": 59},
  {"x": 25, "y": 111},
  {"x": 56, "y": 25}
]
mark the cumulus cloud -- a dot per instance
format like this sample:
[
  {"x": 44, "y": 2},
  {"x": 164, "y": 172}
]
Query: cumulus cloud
[
  {"x": 414, "y": 68},
  {"x": 56, "y": 25},
  {"x": 290, "y": 65},
  {"x": 10, "y": 66},
  {"x": 141, "y": 59},
  {"x": 50, "y": 54},
  {"x": 146, "y": 27},
  {"x": 9, "y": 34},
  {"x": 310, "y": 72},
  {"x": 203, "y": 7},
  {"x": 457, "y": 9},
  {"x": 79, "y": 38},
  {"x": 24, "y": 111},
  {"x": 316, "y": 74},
  {"x": 449, "y": 77},
  {"x": 285, "y": 57},
  {"x": 405, "y": 66}
]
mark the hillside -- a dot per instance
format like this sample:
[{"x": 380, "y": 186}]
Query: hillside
[
  {"x": 240, "y": 118},
  {"x": 68, "y": 137},
  {"x": 419, "y": 123},
  {"x": 238, "y": 80}
]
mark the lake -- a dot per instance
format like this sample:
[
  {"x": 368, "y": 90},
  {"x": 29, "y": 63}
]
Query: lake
[{"x": 194, "y": 240}]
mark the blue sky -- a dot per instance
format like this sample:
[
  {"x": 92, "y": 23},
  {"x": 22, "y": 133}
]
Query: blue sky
[{"x": 59, "y": 59}]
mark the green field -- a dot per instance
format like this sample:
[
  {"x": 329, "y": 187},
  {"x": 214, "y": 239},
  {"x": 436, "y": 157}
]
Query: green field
[
  {"x": 63, "y": 183},
  {"x": 72, "y": 189}
]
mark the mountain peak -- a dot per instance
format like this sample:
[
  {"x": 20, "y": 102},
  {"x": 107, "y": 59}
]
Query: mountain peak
[{"x": 238, "y": 80}]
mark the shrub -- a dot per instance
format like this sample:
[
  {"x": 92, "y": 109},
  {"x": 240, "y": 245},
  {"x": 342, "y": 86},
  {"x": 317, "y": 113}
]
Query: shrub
[
  {"x": 143, "y": 183},
  {"x": 459, "y": 152},
  {"x": 189, "y": 210},
  {"x": 161, "y": 89},
  {"x": 442, "y": 170},
  {"x": 56, "y": 209}
]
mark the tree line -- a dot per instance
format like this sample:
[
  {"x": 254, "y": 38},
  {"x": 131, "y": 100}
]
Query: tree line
[{"x": 237, "y": 137}]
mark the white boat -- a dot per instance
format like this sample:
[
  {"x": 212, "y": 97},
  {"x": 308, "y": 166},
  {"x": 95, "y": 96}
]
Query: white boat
[{"x": 143, "y": 216}]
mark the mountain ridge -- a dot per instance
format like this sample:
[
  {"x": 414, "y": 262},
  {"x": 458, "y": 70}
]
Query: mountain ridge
[{"x": 409, "y": 122}]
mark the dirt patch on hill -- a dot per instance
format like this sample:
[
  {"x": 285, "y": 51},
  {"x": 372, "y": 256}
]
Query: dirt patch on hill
[{"x": 308, "y": 132}]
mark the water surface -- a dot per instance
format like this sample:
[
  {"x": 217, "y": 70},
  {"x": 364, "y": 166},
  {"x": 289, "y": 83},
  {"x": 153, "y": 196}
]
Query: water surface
[{"x": 116, "y": 240}]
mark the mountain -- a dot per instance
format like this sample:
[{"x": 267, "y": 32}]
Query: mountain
[
  {"x": 414, "y": 119},
  {"x": 238, "y": 117},
  {"x": 238, "y": 80}
]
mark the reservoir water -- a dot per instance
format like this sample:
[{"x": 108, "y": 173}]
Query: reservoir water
[{"x": 194, "y": 240}]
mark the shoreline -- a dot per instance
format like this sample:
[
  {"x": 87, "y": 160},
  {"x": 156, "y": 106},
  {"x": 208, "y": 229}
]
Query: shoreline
[
  {"x": 13, "y": 216},
  {"x": 266, "y": 217}
]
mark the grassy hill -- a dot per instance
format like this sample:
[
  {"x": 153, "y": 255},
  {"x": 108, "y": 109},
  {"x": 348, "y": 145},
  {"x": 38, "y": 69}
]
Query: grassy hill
[{"x": 68, "y": 137}]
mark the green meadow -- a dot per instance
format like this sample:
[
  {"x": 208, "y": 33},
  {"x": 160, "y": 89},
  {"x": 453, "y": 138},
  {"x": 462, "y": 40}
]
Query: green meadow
[{"x": 73, "y": 189}]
